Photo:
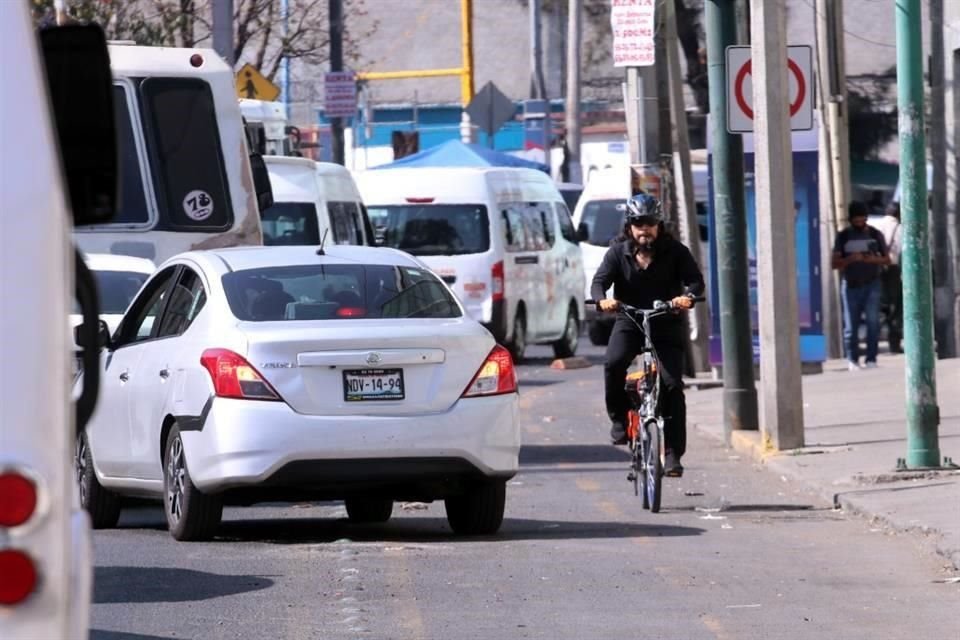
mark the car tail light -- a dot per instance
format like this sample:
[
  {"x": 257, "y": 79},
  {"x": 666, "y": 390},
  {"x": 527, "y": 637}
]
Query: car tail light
[
  {"x": 234, "y": 377},
  {"x": 496, "y": 275},
  {"x": 351, "y": 312},
  {"x": 18, "y": 576},
  {"x": 18, "y": 499},
  {"x": 495, "y": 377}
]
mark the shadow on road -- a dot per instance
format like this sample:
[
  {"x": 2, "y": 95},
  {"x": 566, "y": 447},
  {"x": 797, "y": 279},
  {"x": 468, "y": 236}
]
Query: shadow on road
[
  {"x": 537, "y": 454},
  {"x": 101, "y": 634},
  {"x": 434, "y": 530},
  {"x": 161, "y": 584}
]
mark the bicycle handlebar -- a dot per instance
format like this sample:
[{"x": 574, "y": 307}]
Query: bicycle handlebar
[{"x": 659, "y": 306}]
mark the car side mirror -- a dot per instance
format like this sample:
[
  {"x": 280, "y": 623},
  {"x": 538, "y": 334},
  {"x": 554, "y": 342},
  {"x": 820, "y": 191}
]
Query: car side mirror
[
  {"x": 261, "y": 181},
  {"x": 103, "y": 336},
  {"x": 583, "y": 232}
]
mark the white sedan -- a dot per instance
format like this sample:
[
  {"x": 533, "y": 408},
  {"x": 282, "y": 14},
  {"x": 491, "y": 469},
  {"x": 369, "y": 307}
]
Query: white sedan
[{"x": 284, "y": 373}]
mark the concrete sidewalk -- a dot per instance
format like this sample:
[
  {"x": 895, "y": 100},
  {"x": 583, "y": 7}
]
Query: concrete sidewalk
[{"x": 855, "y": 430}]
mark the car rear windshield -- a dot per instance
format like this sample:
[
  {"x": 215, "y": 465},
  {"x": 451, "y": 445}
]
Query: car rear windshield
[
  {"x": 290, "y": 223},
  {"x": 433, "y": 229},
  {"x": 338, "y": 291},
  {"x": 116, "y": 289},
  {"x": 603, "y": 219}
]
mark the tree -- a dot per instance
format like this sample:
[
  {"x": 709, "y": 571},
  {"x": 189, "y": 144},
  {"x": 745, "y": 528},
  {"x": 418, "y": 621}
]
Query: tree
[{"x": 258, "y": 27}]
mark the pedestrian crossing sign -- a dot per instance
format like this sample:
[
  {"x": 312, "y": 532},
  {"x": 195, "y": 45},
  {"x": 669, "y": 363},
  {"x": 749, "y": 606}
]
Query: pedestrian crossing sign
[{"x": 254, "y": 85}]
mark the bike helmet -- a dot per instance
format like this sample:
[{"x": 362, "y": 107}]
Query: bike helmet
[{"x": 643, "y": 207}]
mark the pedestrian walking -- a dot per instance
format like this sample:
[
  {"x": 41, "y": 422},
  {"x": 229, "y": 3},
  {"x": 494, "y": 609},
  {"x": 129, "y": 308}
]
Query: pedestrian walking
[
  {"x": 859, "y": 253},
  {"x": 890, "y": 277}
]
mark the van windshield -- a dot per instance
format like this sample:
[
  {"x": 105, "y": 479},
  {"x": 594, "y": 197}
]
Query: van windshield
[
  {"x": 432, "y": 230},
  {"x": 290, "y": 223},
  {"x": 603, "y": 219}
]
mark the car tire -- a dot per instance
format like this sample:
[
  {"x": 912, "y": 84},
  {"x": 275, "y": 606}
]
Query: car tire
[
  {"x": 191, "y": 514},
  {"x": 479, "y": 511},
  {"x": 369, "y": 510},
  {"x": 518, "y": 343},
  {"x": 566, "y": 347},
  {"x": 102, "y": 504},
  {"x": 599, "y": 333}
]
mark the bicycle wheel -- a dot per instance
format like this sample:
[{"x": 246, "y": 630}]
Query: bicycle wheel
[{"x": 652, "y": 466}]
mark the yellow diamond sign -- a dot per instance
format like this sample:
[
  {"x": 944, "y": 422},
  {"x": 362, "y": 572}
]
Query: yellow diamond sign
[{"x": 254, "y": 85}]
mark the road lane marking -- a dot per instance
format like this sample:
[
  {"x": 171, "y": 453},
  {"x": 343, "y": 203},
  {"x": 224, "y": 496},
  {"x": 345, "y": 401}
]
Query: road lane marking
[{"x": 586, "y": 484}]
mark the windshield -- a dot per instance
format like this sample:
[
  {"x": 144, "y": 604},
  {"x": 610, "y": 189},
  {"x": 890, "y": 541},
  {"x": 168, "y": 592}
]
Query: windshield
[
  {"x": 290, "y": 223},
  {"x": 603, "y": 219},
  {"x": 339, "y": 291},
  {"x": 116, "y": 290},
  {"x": 432, "y": 230}
]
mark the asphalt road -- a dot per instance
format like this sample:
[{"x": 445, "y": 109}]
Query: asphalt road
[{"x": 737, "y": 552}]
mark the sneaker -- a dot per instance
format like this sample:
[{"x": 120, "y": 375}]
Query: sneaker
[
  {"x": 671, "y": 465},
  {"x": 852, "y": 366},
  {"x": 870, "y": 365},
  {"x": 618, "y": 434}
]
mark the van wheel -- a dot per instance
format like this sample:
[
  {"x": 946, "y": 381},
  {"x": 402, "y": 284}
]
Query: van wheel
[
  {"x": 191, "y": 514},
  {"x": 519, "y": 342},
  {"x": 599, "y": 333},
  {"x": 102, "y": 504},
  {"x": 566, "y": 346},
  {"x": 479, "y": 511}
]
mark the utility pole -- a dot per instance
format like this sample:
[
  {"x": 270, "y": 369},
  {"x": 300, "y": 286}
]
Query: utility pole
[
  {"x": 285, "y": 68},
  {"x": 687, "y": 209},
  {"x": 781, "y": 399},
  {"x": 923, "y": 414},
  {"x": 572, "y": 110},
  {"x": 739, "y": 391},
  {"x": 336, "y": 64},
  {"x": 538, "y": 87},
  {"x": 223, "y": 29},
  {"x": 831, "y": 62},
  {"x": 942, "y": 269}
]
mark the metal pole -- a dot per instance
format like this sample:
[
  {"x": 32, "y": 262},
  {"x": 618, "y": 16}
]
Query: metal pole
[
  {"x": 538, "y": 87},
  {"x": 572, "y": 110},
  {"x": 942, "y": 271},
  {"x": 466, "y": 45},
  {"x": 223, "y": 29},
  {"x": 830, "y": 28},
  {"x": 739, "y": 391},
  {"x": 285, "y": 26},
  {"x": 923, "y": 415},
  {"x": 336, "y": 64}
]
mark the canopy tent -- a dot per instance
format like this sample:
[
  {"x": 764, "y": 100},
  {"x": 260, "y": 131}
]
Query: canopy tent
[{"x": 455, "y": 153}]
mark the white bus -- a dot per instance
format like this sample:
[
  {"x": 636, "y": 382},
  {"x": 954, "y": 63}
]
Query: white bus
[{"x": 185, "y": 167}]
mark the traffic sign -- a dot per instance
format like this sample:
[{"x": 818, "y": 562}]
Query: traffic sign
[
  {"x": 740, "y": 88},
  {"x": 340, "y": 94},
  {"x": 490, "y": 109},
  {"x": 254, "y": 85}
]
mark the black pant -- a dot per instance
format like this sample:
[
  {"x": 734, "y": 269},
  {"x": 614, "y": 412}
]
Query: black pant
[{"x": 626, "y": 341}]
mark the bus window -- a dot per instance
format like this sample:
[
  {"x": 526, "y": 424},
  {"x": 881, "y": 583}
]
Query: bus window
[
  {"x": 132, "y": 209},
  {"x": 181, "y": 126}
]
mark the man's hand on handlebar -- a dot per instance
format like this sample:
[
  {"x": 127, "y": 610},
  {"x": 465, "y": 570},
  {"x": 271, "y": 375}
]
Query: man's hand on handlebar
[
  {"x": 682, "y": 302},
  {"x": 609, "y": 304}
]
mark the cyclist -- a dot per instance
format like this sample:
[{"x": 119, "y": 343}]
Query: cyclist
[{"x": 643, "y": 264}]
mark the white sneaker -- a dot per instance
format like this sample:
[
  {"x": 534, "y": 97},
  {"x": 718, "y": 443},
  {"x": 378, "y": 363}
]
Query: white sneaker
[
  {"x": 870, "y": 365},
  {"x": 853, "y": 366}
]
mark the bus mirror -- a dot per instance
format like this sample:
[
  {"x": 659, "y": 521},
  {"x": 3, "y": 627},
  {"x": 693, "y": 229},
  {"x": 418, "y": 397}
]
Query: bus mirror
[
  {"x": 80, "y": 86},
  {"x": 261, "y": 181},
  {"x": 583, "y": 232}
]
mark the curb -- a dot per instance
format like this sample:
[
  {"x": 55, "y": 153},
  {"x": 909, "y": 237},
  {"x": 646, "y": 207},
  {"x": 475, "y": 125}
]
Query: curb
[{"x": 749, "y": 443}]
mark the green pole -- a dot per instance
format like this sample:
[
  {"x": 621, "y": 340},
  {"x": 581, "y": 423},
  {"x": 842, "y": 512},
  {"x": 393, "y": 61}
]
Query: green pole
[
  {"x": 923, "y": 415},
  {"x": 739, "y": 392}
]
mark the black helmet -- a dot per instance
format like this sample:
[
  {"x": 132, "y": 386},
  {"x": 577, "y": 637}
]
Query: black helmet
[{"x": 643, "y": 207}]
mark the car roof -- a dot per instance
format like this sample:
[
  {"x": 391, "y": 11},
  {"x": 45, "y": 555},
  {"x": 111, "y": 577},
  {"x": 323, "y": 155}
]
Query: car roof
[
  {"x": 114, "y": 262},
  {"x": 242, "y": 258}
]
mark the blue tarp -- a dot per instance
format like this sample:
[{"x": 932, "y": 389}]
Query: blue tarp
[{"x": 457, "y": 154}]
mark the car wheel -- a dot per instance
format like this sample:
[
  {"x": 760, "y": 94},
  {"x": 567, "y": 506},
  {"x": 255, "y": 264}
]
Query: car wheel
[
  {"x": 191, "y": 514},
  {"x": 102, "y": 504},
  {"x": 566, "y": 347},
  {"x": 369, "y": 509},
  {"x": 518, "y": 344},
  {"x": 479, "y": 511},
  {"x": 599, "y": 334}
]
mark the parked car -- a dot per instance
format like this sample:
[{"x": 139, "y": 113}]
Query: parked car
[
  {"x": 287, "y": 373},
  {"x": 119, "y": 278},
  {"x": 502, "y": 238}
]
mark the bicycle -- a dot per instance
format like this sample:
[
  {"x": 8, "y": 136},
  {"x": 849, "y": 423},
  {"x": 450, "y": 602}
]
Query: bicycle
[{"x": 644, "y": 425}]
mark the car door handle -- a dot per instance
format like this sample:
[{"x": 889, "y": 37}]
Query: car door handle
[
  {"x": 164, "y": 373},
  {"x": 124, "y": 376}
]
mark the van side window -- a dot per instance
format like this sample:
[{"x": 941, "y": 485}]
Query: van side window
[
  {"x": 567, "y": 229},
  {"x": 546, "y": 219},
  {"x": 536, "y": 234},
  {"x": 184, "y": 141},
  {"x": 345, "y": 222},
  {"x": 516, "y": 233},
  {"x": 132, "y": 205}
]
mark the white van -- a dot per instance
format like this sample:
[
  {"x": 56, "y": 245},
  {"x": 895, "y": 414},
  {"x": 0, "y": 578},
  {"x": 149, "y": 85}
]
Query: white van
[
  {"x": 599, "y": 218},
  {"x": 502, "y": 238},
  {"x": 311, "y": 199}
]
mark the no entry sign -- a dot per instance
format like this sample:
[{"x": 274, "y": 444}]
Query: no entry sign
[{"x": 740, "y": 88}]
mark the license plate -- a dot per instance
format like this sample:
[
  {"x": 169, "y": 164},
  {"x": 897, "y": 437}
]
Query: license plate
[{"x": 373, "y": 384}]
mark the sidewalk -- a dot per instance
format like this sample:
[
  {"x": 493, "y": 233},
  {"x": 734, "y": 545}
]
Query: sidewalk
[{"x": 855, "y": 430}]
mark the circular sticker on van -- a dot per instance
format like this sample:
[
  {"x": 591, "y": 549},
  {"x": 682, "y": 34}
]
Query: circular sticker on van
[{"x": 198, "y": 205}]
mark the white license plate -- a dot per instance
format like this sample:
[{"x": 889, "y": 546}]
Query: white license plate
[{"x": 373, "y": 384}]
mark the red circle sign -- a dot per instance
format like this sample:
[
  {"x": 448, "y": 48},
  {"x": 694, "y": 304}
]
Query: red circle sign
[{"x": 747, "y": 69}]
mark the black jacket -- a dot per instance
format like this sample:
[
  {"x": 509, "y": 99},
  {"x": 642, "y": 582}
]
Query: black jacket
[{"x": 672, "y": 272}]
